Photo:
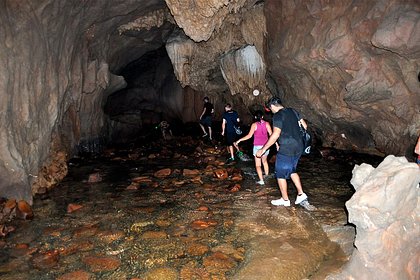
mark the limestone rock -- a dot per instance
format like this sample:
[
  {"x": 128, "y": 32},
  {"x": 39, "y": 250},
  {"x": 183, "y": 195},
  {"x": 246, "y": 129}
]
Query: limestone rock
[{"x": 385, "y": 210}]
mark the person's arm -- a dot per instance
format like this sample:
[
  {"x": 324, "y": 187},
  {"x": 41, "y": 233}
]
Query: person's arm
[
  {"x": 248, "y": 136},
  {"x": 273, "y": 138},
  {"x": 204, "y": 110},
  {"x": 223, "y": 126},
  {"x": 268, "y": 126},
  {"x": 417, "y": 148}
]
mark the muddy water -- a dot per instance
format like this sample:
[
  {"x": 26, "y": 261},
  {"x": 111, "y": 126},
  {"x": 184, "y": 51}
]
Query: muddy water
[{"x": 134, "y": 224}]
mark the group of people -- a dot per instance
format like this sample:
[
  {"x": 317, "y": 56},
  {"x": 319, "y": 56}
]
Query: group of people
[{"x": 285, "y": 134}]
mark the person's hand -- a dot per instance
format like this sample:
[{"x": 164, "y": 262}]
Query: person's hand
[
  {"x": 223, "y": 133},
  {"x": 236, "y": 144},
  {"x": 259, "y": 153}
]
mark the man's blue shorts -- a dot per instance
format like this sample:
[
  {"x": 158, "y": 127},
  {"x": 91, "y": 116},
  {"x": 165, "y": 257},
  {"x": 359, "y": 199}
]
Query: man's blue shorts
[
  {"x": 286, "y": 166},
  {"x": 206, "y": 120}
]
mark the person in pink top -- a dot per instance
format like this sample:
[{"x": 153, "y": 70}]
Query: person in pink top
[{"x": 260, "y": 129}]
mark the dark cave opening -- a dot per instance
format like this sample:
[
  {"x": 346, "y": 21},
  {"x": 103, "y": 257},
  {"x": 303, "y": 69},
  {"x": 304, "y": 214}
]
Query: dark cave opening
[{"x": 153, "y": 94}]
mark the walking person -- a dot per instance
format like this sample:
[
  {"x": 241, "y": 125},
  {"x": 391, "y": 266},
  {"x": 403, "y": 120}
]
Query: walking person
[
  {"x": 260, "y": 129},
  {"x": 230, "y": 120},
  {"x": 287, "y": 133},
  {"x": 206, "y": 117}
]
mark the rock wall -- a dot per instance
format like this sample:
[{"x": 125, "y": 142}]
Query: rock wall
[
  {"x": 54, "y": 77},
  {"x": 386, "y": 211},
  {"x": 351, "y": 67}
]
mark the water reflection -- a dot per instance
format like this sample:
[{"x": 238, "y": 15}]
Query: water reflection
[{"x": 117, "y": 217}]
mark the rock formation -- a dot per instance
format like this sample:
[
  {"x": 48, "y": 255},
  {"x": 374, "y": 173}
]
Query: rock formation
[
  {"x": 386, "y": 211},
  {"x": 351, "y": 68}
]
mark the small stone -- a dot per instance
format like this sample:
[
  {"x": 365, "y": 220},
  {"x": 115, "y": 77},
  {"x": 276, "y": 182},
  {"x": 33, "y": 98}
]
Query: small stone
[
  {"x": 163, "y": 273},
  {"x": 235, "y": 188},
  {"x": 221, "y": 173},
  {"x": 142, "y": 179},
  {"x": 163, "y": 173},
  {"x": 95, "y": 178},
  {"x": 133, "y": 186},
  {"x": 73, "y": 207},
  {"x": 191, "y": 172},
  {"x": 197, "y": 249},
  {"x": 100, "y": 264},
  {"x": 218, "y": 262},
  {"x": 154, "y": 235},
  {"x": 76, "y": 275},
  {"x": 45, "y": 260},
  {"x": 195, "y": 273},
  {"x": 203, "y": 208},
  {"x": 203, "y": 224}
]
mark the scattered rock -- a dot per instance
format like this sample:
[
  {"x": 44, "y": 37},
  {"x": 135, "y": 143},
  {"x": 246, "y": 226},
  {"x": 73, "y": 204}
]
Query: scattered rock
[
  {"x": 77, "y": 275},
  {"x": 163, "y": 173},
  {"x": 163, "y": 273},
  {"x": 73, "y": 207},
  {"x": 46, "y": 260},
  {"x": 191, "y": 172},
  {"x": 95, "y": 178},
  {"x": 221, "y": 174},
  {"x": 101, "y": 264}
]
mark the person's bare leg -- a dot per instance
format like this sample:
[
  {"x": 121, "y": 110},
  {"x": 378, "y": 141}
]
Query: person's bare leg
[
  {"x": 203, "y": 128},
  {"x": 210, "y": 133},
  {"x": 230, "y": 149},
  {"x": 296, "y": 180},
  {"x": 283, "y": 188},
  {"x": 265, "y": 164},
  {"x": 258, "y": 168}
]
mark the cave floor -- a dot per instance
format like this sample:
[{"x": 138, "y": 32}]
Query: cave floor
[{"x": 174, "y": 210}]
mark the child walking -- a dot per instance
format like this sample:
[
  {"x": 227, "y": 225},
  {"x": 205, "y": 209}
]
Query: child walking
[{"x": 261, "y": 130}]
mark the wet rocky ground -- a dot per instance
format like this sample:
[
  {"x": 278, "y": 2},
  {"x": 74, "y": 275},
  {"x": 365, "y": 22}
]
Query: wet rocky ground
[{"x": 175, "y": 210}]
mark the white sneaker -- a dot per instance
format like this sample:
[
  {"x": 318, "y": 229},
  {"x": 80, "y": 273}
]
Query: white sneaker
[
  {"x": 280, "y": 202},
  {"x": 261, "y": 182},
  {"x": 301, "y": 198}
]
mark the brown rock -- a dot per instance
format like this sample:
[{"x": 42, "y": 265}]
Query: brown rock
[
  {"x": 73, "y": 207},
  {"x": 154, "y": 235},
  {"x": 76, "y": 247},
  {"x": 100, "y": 264},
  {"x": 221, "y": 173},
  {"x": 218, "y": 262},
  {"x": 197, "y": 249},
  {"x": 110, "y": 236},
  {"x": 86, "y": 231},
  {"x": 133, "y": 186},
  {"x": 203, "y": 208},
  {"x": 163, "y": 173},
  {"x": 46, "y": 260},
  {"x": 202, "y": 224},
  {"x": 10, "y": 204},
  {"x": 197, "y": 180},
  {"x": 77, "y": 275},
  {"x": 235, "y": 188},
  {"x": 162, "y": 273},
  {"x": 194, "y": 273},
  {"x": 142, "y": 179},
  {"x": 190, "y": 172},
  {"x": 95, "y": 178},
  {"x": 24, "y": 210}
]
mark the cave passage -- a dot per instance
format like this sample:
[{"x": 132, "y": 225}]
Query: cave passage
[{"x": 171, "y": 209}]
